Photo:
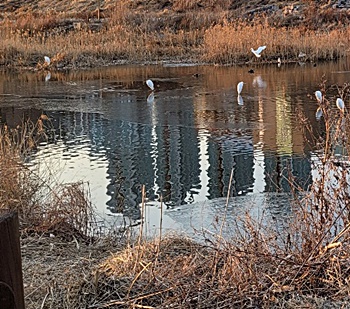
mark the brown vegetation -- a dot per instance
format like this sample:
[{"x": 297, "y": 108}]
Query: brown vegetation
[
  {"x": 305, "y": 264},
  {"x": 94, "y": 33},
  {"x": 43, "y": 205}
]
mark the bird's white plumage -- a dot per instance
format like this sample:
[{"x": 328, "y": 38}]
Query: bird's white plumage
[
  {"x": 239, "y": 87},
  {"x": 258, "y": 51},
  {"x": 318, "y": 95},
  {"x": 150, "y": 84},
  {"x": 47, "y": 59},
  {"x": 340, "y": 104}
]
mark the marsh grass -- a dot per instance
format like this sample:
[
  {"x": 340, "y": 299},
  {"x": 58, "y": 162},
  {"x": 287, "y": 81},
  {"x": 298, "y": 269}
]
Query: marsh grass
[
  {"x": 43, "y": 205},
  {"x": 230, "y": 43},
  {"x": 181, "y": 32}
]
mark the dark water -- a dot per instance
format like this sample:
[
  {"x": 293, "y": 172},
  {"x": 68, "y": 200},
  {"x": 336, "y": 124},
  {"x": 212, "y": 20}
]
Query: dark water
[{"x": 183, "y": 144}]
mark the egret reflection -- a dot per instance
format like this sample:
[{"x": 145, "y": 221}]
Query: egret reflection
[
  {"x": 240, "y": 100},
  {"x": 150, "y": 98},
  {"x": 258, "y": 81},
  {"x": 319, "y": 113},
  {"x": 47, "y": 77}
]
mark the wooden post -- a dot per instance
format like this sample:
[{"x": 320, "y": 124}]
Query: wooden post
[{"x": 11, "y": 280}]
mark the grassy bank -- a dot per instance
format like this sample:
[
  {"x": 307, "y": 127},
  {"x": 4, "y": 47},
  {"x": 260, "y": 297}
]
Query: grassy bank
[{"x": 217, "y": 32}]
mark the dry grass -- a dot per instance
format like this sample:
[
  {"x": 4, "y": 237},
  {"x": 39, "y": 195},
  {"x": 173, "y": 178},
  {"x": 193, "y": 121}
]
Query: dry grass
[
  {"x": 217, "y": 32},
  {"x": 43, "y": 205},
  {"x": 231, "y": 43},
  {"x": 53, "y": 268}
]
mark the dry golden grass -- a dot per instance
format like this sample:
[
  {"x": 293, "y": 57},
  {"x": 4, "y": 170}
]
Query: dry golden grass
[
  {"x": 43, "y": 206},
  {"x": 231, "y": 43},
  {"x": 182, "y": 31}
]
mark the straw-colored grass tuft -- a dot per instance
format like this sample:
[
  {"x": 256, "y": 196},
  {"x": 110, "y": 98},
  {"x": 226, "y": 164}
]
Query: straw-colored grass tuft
[{"x": 42, "y": 205}]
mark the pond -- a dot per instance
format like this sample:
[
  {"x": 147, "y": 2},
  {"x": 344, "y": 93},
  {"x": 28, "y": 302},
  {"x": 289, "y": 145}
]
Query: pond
[{"x": 183, "y": 140}]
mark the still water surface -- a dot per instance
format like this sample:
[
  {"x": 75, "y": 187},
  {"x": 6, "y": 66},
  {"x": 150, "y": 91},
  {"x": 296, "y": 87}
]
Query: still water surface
[{"x": 183, "y": 140}]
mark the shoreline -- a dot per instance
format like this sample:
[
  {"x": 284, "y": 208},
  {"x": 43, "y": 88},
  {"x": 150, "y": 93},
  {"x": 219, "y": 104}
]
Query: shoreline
[{"x": 180, "y": 32}]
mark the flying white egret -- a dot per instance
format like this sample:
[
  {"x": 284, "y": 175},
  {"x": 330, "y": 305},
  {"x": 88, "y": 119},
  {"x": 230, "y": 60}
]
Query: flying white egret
[
  {"x": 150, "y": 84},
  {"x": 239, "y": 87},
  {"x": 258, "y": 51},
  {"x": 340, "y": 104},
  {"x": 319, "y": 113},
  {"x": 318, "y": 95},
  {"x": 47, "y": 60}
]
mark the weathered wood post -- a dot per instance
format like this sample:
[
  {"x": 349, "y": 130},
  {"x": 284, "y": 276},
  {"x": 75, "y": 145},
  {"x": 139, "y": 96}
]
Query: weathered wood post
[{"x": 11, "y": 280}]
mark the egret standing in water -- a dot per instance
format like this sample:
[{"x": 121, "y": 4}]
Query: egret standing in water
[
  {"x": 340, "y": 104},
  {"x": 258, "y": 51},
  {"x": 239, "y": 87},
  {"x": 150, "y": 84},
  {"x": 47, "y": 60},
  {"x": 318, "y": 95}
]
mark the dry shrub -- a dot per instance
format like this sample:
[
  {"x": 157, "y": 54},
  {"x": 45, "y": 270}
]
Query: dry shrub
[
  {"x": 182, "y": 5},
  {"x": 249, "y": 271},
  {"x": 43, "y": 206}
]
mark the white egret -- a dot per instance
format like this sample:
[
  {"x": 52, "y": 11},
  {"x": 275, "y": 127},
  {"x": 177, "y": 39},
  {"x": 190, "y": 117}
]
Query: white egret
[
  {"x": 340, "y": 104},
  {"x": 47, "y": 60},
  {"x": 239, "y": 87},
  {"x": 279, "y": 62},
  {"x": 319, "y": 113},
  {"x": 240, "y": 100},
  {"x": 258, "y": 51},
  {"x": 150, "y": 84},
  {"x": 301, "y": 55},
  {"x": 318, "y": 95}
]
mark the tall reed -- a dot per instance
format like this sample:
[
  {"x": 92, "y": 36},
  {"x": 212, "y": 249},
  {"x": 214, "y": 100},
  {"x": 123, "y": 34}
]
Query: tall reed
[
  {"x": 43, "y": 205},
  {"x": 180, "y": 32}
]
